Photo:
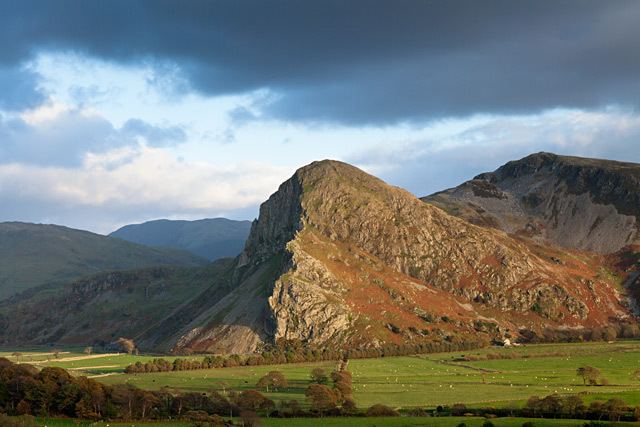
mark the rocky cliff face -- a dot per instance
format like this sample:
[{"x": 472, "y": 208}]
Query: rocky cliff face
[{"x": 573, "y": 202}]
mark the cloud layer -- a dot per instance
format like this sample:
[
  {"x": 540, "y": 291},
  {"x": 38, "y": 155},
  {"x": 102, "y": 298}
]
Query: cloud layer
[{"x": 356, "y": 61}]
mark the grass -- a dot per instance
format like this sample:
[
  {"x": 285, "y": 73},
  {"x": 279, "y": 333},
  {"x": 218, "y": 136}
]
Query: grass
[
  {"x": 419, "y": 381},
  {"x": 356, "y": 422}
]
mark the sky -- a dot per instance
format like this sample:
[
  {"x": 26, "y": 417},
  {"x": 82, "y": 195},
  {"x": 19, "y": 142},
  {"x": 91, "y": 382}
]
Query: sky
[{"x": 117, "y": 112}]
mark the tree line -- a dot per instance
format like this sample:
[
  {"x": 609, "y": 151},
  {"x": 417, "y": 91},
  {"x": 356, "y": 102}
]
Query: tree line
[
  {"x": 52, "y": 391},
  {"x": 293, "y": 351}
]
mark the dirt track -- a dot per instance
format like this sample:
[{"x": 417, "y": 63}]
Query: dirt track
[{"x": 87, "y": 357}]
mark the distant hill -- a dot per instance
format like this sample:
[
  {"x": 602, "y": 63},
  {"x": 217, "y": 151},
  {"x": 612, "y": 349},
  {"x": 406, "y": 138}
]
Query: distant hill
[
  {"x": 208, "y": 238},
  {"x": 32, "y": 255},
  {"x": 588, "y": 204}
]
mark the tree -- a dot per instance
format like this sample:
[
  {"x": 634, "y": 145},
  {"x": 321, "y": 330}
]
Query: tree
[
  {"x": 249, "y": 419},
  {"x": 589, "y": 374},
  {"x": 273, "y": 379},
  {"x": 573, "y": 405},
  {"x": 126, "y": 344},
  {"x": 615, "y": 407},
  {"x": 321, "y": 397},
  {"x": 252, "y": 400},
  {"x": 342, "y": 384},
  {"x": 379, "y": 410},
  {"x": 458, "y": 409},
  {"x": 319, "y": 376}
]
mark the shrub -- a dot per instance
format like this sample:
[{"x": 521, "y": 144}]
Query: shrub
[
  {"x": 380, "y": 410},
  {"x": 488, "y": 423},
  {"x": 528, "y": 424}
]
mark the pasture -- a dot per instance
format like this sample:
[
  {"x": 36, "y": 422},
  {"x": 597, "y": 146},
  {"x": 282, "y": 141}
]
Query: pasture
[
  {"x": 358, "y": 422},
  {"x": 492, "y": 377}
]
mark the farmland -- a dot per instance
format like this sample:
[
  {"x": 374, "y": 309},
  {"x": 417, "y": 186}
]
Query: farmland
[
  {"x": 361, "y": 422},
  {"x": 493, "y": 377}
]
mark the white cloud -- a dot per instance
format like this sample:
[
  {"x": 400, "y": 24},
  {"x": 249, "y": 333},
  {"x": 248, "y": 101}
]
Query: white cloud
[
  {"x": 431, "y": 163},
  {"x": 144, "y": 177}
]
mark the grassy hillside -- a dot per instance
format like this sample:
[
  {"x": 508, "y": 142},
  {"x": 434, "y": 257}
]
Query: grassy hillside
[
  {"x": 32, "y": 255},
  {"x": 211, "y": 238}
]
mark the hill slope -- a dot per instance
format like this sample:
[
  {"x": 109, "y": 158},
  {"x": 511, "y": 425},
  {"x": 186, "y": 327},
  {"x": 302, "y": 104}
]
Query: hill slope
[
  {"x": 101, "y": 308},
  {"x": 32, "y": 255},
  {"x": 211, "y": 238},
  {"x": 339, "y": 258},
  {"x": 574, "y": 202}
]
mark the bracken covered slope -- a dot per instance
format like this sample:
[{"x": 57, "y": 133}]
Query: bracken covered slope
[
  {"x": 339, "y": 258},
  {"x": 573, "y": 202}
]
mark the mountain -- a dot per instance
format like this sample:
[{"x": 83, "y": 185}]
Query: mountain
[
  {"x": 207, "y": 238},
  {"x": 33, "y": 255},
  {"x": 574, "y": 202},
  {"x": 339, "y": 258}
]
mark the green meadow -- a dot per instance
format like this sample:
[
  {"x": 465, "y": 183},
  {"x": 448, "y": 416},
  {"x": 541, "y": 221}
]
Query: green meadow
[
  {"x": 358, "y": 422},
  {"x": 492, "y": 377}
]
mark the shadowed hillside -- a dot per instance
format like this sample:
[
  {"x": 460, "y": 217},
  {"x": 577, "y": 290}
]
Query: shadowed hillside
[
  {"x": 207, "y": 238},
  {"x": 574, "y": 202},
  {"x": 32, "y": 255}
]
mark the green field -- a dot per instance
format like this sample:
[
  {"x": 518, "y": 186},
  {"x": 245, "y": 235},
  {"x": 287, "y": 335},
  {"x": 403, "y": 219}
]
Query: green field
[
  {"x": 416, "y": 381},
  {"x": 358, "y": 422}
]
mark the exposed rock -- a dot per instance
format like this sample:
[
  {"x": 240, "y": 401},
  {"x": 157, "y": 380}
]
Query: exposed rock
[{"x": 573, "y": 202}]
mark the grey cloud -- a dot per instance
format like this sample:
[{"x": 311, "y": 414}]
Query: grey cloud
[
  {"x": 357, "y": 61},
  {"x": 156, "y": 136},
  {"x": 19, "y": 88},
  {"x": 65, "y": 139},
  {"x": 425, "y": 167},
  {"x": 62, "y": 140}
]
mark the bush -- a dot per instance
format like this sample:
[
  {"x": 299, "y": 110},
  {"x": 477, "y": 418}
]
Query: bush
[
  {"x": 488, "y": 423},
  {"x": 21, "y": 421},
  {"x": 528, "y": 424},
  {"x": 462, "y": 425},
  {"x": 379, "y": 410}
]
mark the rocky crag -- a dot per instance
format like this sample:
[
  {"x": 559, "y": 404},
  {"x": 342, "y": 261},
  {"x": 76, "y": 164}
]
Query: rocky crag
[{"x": 338, "y": 257}]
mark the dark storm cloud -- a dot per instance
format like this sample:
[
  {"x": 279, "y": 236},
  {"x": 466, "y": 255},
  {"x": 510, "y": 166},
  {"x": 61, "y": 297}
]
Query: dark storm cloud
[{"x": 358, "y": 61}]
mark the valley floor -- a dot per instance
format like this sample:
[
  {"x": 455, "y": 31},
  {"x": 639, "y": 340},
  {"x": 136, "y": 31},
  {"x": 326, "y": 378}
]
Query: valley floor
[
  {"x": 492, "y": 377},
  {"x": 360, "y": 422}
]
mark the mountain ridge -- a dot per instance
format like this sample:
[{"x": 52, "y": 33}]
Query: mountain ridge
[
  {"x": 209, "y": 238},
  {"x": 574, "y": 202},
  {"x": 32, "y": 255}
]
